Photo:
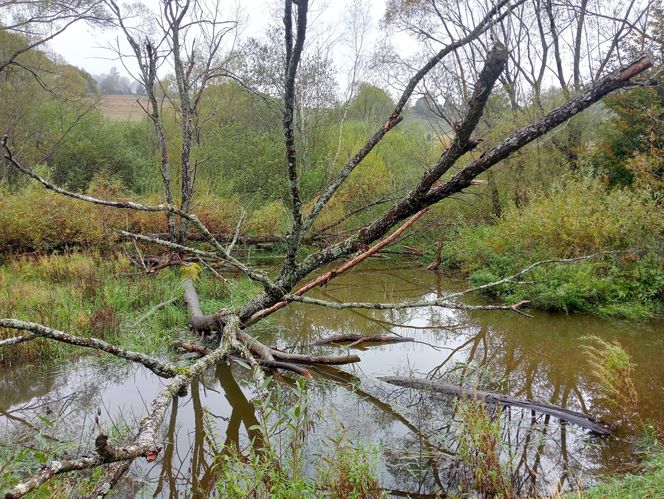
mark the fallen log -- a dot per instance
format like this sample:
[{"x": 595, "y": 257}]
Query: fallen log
[
  {"x": 147, "y": 442},
  {"x": 357, "y": 339},
  {"x": 574, "y": 417},
  {"x": 198, "y": 321},
  {"x": 266, "y": 363},
  {"x": 227, "y": 238}
]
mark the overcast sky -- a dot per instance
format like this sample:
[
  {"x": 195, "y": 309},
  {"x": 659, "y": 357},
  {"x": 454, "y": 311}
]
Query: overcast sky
[{"x": 84, "y": 46}]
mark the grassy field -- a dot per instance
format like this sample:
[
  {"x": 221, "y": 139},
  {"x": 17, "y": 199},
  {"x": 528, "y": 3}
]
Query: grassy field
[{"x": 123, "y": 107}]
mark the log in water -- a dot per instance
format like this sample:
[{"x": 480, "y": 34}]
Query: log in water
[{"x": 577, "y": 418}]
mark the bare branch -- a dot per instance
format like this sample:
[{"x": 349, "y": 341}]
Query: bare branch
[
  {"x": 325, "y": 278},
  {"x": 445, "y": 301},
  {"x": 147, "y": 442},
  {"x": 163, "y": 369},
  {"x": 17, "y": 339},
  {"x": 489, "y": 20}
]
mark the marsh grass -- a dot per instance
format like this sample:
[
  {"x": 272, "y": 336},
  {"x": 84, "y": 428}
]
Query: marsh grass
[
  {"x": 90, "y": 294},
  {"x": 480, "y": 450},
  {"x": 647, "y": 482}
]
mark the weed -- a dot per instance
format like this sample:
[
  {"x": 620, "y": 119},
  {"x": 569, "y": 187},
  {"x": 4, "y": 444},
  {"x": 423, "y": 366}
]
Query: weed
[
  {"x": 275, "y": 464},
  {"x": 612, "y": 367},
  {"x": 479, "y": 450}
]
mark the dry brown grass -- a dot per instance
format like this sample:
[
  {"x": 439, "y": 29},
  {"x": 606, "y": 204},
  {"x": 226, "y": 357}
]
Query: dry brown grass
[{"x": 123, "y": 107}]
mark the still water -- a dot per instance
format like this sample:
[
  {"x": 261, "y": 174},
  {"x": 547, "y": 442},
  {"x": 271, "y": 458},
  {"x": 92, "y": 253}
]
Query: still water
[{"x": 415, "y": 434}]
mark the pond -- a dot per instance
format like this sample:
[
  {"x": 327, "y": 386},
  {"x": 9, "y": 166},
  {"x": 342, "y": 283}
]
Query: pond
[{"x": 415, "y": 434}]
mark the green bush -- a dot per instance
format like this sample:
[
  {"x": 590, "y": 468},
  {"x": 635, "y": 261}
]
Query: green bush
[
  {"x": 578, "y": 217},
  {"x": 99, "y": 145}
]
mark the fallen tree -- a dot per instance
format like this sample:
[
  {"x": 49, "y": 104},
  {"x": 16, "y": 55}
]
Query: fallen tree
[
  {"x": 561, "y": 413},
  {"x": 229, "y": 330},
  {"x": 358, "y": 339}
]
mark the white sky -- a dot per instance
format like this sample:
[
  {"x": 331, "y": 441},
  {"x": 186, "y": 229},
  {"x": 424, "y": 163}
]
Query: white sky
[{"x": 84, "y": 46}]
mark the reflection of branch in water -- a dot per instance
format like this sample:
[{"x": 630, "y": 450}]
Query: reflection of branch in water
[
  {"x": 242, "y": 411},
  {"x": 29, "y": 425},
  {"x": 166, "y": 462},
  {"x": 474, "y": 339},
  {"x": 199, "y": 467}
]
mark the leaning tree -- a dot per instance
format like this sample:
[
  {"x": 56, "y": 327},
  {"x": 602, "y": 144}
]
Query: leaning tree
[{"x": 231, "y": 330}]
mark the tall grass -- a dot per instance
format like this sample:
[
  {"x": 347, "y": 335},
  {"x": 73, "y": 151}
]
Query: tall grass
[{"x": 480, "y": 451}]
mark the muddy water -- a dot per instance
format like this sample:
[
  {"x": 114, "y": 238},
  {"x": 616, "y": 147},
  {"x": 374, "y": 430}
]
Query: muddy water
[{"x": 416, "y": 434}]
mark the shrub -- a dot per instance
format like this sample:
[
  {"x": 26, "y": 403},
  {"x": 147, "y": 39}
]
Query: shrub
[{"x": 578, "y": 217}]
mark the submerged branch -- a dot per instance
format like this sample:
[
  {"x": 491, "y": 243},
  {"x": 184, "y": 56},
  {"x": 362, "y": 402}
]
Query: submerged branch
[
  {"x": 357, "y": 339},
  {"x": 440, "y": 302}
]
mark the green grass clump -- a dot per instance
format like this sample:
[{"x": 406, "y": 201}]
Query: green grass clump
[
  {"x": 648, "y": 483},
  {"x": 577, "y": 217}
]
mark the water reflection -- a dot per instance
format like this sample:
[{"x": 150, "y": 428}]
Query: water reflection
[{"x": 537, "y": 358}]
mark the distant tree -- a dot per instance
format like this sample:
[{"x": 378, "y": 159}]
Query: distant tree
[
  {"x": 40, "y": 21},
  {"x": 371, "y": 104},
  {"x": 190, "y": 37},
  {"x": 114, "y": 83}
]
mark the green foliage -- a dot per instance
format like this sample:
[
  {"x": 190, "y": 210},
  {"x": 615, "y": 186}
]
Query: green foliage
[
  {"x": 96, "y": 145},
  {"x": 479, "y": 450},
  {"x": 612, "y": 367},
  {"x": 577, "y": 217},
  {"x": 268, "y": 219},
  {"x": 371, "y": 105},
  {"x": 647, "y": 483},
  {"x": 630, "y": 146}
]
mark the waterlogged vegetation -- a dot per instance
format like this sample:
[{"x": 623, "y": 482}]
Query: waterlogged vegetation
[{"x": 338, "y": 433}]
